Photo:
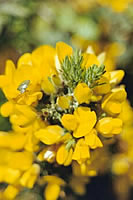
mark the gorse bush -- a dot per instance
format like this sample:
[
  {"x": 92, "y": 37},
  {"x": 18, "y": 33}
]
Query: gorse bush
[{"x": 64, "y": 107}]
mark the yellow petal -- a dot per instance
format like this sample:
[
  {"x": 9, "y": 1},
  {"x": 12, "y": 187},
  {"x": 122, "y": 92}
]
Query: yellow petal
[
  {"x": 61, "y": 155},
  {"x": 16, "y": 160},
  {"x": 49, "y": 135},
  {"x": 29, "y": 177},
  {"x": 56, "y": 80},
  {"x": 69, "y": 158},
  {"x": 117, "y": 94},
  {"x": 63, "y": 50},
  {"x": 66, "y": 137},
  {"x": 48, "y": 87},
  {"x": 116, "y": 77},
  {"x": 86, "y": 121},
  {"x": 117, "y": 126},
  {"x": 31, "y": 142},
  {"x": 10, "y": 70},
  {"x": 76, "y": 153},
  {"x": 9, "y": 175},
  {"x": 52, "y": 192},
  {"x": 116, "y": 97},
  {"x": 101, "y": 58},
  {"x": 43, "y": 55},
  {"x": 104, "y": 88},
  {"x": 14, "y": 141},
  {"x": 92, "y": 140},
  {"x": 53, "y": 179},
  {"x": 25, "y": 59},
  {"x": 23, "y": 116},
  {"x": 3, "y": 81},
  {"x": 104, "y": 125},
  {"x": 69, "y": 121},
  {"x": 109, "y": 126},
  {"x": 10, "y": 192},
  {"x": 89, "y": 60},
  {"x": 113, "y": 107},
  {"x": 30, "y": 99},
  {"x": 64, "y": 102},
  {"x": 81, "y": 151},
  {"x": 95, "y": 98},
  {"x": 82, "y": 93},
  {"x": 7, "y": 109}
]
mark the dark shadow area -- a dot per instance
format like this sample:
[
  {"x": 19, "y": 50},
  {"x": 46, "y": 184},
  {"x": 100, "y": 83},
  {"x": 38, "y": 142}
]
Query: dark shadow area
[{"x": 100, "y": 188}]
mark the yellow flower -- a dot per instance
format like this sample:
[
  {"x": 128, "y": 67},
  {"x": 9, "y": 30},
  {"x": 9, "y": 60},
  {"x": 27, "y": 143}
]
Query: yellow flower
[
  {"x": 9, "y": 175},
  {"x": 14, "y": 141},
  {"x": 10, "y": 192},
  {"x": 30, "y": 99},
  {"x": 31, "y": 143},
  {"x": 43, "y": 59},
  {"x": 20, "y": 83},
  {"x": 92, "y": 140},
  {"x": 81, "y": 152},
  {"x": 64, "y": 156},
  {"x": 16, "y": 160},
  {"x": 32, "y": 126},
  {"x": 30, "y": 176},
  {"x": 81, "y": 122},
  {"x": 69, "y": 122},
  {"x": 64, "y": 101},
  {"x": 82, "y": 93},
  {"x": 104, "y": 88},
  {"x": 23, "y": 115},
  {"x": 112, "y": 102},
  {"x": 52, "y": 190},
  {"x": 43, "y": 62},
  {"x": 20, "y": 115},
  {"x": 116, "y": 77},
  {"x": 32, "y": 74},
  {"x": 50, "y": 135},
  {"x": 51, "y": 83},
  {"x": 109, "y": 126}
]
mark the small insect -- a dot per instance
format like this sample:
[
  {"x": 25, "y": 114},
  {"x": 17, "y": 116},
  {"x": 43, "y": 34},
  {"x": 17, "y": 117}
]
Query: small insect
[{"x": 23, "y": 86}]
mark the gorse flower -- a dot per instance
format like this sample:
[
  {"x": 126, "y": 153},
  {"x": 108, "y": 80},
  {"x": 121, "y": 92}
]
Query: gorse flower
[{"x": 62, "y": 105}]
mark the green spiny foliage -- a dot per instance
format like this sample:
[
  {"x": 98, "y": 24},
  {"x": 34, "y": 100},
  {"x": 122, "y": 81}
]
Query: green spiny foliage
[
  {"x": 93, "y": 74},
  {"x": 71, "y": 69},
  {"x": 73, "y": 72}
]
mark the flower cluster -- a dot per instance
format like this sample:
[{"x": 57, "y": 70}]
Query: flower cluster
[{"x": 63, "y": 107}]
